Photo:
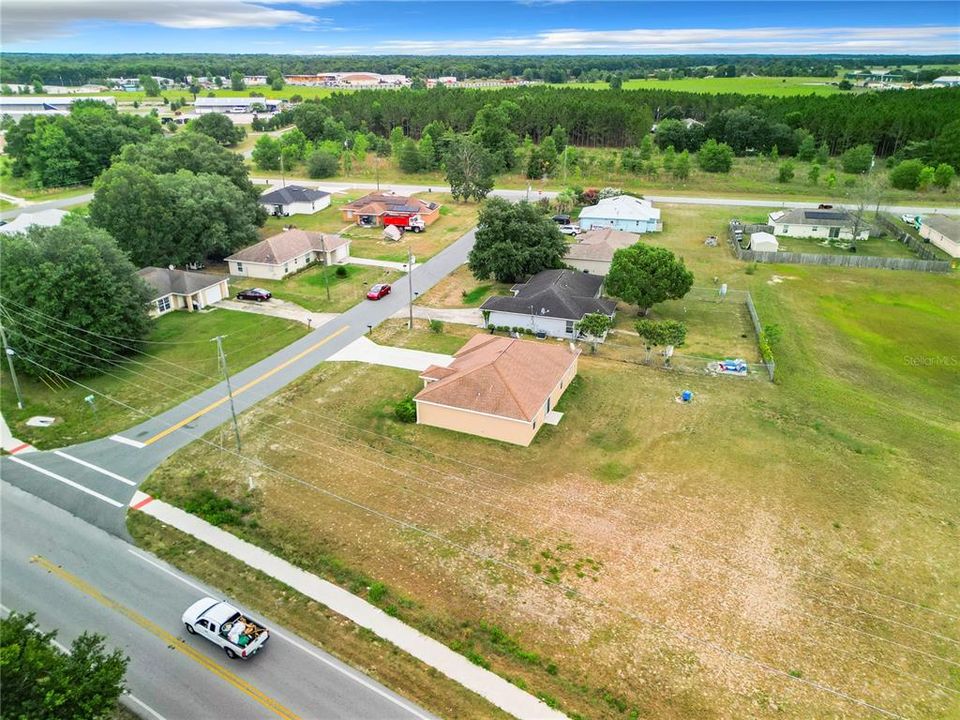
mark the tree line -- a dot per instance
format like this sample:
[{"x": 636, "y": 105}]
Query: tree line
[{"x": 74, "y": 69}]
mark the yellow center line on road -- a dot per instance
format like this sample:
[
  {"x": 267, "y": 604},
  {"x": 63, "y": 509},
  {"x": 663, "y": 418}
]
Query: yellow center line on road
[
  {"x": 273, "y": 371},
  {"x": 171, "y": 641}
]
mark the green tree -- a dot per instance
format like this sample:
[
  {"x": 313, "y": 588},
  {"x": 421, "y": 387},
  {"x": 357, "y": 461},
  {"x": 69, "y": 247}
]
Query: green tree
[
  {"x": 813, "y": 174},
  {"x": 408, "y": 158},
  {"x": 43, "y": 683},
  {"x": 236, "y": 81},
  {"x": 945, "y": 147},
  {"x": 468, "y": 168},
  {"x": 151, "y": 88},
  {"x": 646, "y": 148},
  {"x": 514, "y": 240},
  {"x": 294, "y": 144},
  {"x": 807, "y": 149},
  {"x": 715, "y": 157},
  {"x": 774, "y": 153},
  {"x": 80, "y": 276},
  {"x": 219, "y": 127},
  {"x": 681, "y": 166},
  {"x": 427, "y": 155},
  {"x": 266, "y": 153},
  {"x": 128, "y": 203},
  {"x": 857, "y": 160},
  {"x": 786, "y": 172},
  {"x": 360, "y": 145},
  {"x": 832, "y": 180},
  {"x": 823, "y": 154},
  {"x": 943, "y": 176},
  {"x": 669, "y": 158},
  {"x": 926, "y": 178},
  {"x": 645, "y": 275},
  {"x": 616, "y": 82},
  {"x": 397, "y": 139},
  {"x": 322, "y": 163},
  {"x": 906, "y": 175},
  {"x": 560, "y": 138},
  {"x": 492, "y": 129},
  {"x": 309, "y": 117},
  {"x": 38, "y": 86},
  {"x": 660, "y": 334},
  {"x": 594, "y": 326}
]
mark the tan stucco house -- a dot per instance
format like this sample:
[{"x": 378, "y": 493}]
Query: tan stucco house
[
  {"x": 182, "y": 290},
  {"x": 288, "y": 252},
  {"x": 942, "y": 231},
  {"x": 498, "y": 387},
  {"x": 593, "y": 251}
]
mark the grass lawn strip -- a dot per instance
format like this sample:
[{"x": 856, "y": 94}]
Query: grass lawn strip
[
  {"x": 161, "y": 377},
  {"x": 312, "y": 621}
]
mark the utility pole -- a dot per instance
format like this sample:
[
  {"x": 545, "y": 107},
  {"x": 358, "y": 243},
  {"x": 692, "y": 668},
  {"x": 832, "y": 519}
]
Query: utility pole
[
  {"x": 13, "y": 372},
  {"x": 326, "y": 268},
  {"x": 222, "y": 361},
  {"x": 283, "y": 179},
  {"x": 410, "y": 281}
]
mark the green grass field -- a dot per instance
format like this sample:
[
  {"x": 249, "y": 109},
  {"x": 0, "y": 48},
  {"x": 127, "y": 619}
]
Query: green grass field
[
  {"x": 774, "y": 86},
  {"x": 151, "y": 382},
  {"x": 309, "y": 287}
]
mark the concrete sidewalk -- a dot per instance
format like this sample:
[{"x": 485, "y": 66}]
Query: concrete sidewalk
[
  {"x": 401, "y": 266},
  {"x": 504, "y": 695},
  {"x": 11, "y": 444},
  {"x": 365, "y": 350}
]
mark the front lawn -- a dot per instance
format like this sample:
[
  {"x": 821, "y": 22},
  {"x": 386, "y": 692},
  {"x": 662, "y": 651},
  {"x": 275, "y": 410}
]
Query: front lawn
[
  {"x": 309, "y": 287},
  {"x": 164, "y": 375},
  {"x": 327, "y": 220}
]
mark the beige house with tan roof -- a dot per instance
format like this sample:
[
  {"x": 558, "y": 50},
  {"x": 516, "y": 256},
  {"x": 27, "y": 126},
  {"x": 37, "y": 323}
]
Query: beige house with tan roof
[
  {"x": 288, "y": 252},
  {"x": 498, "y": 387},
  {"x": 593, "y": 251}
]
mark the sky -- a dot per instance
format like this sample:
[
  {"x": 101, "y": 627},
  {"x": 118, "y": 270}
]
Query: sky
[{"x": 504, "y": 27}]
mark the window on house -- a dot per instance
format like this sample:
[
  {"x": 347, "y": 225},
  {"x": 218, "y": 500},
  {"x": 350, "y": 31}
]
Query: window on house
[
  {"x": 239, "y": 267},
  {"x": 569, "y": 327},
  {"x": 814, "y": 229},
  {"x": 285, "y": 268},
  {"x": 163, "y": 304}
]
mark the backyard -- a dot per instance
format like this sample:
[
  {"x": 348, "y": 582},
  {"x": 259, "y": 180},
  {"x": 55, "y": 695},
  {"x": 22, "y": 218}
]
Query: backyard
[
  {"x": 629, "y": 560},
  {"x": 347, "y": 285},
  {"x": 178, "y": 361}
]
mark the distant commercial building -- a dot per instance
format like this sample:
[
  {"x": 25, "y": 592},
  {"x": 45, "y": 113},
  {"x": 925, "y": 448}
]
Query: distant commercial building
[
  {"x": 204, "y": 105},
  {"x": 16, "y": 106},
  {"x": 348, "y": 79},
  {"x": 948, "y": 81}
]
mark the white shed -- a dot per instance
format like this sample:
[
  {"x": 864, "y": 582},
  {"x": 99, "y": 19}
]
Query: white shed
[{"x": 763, "y": 242}]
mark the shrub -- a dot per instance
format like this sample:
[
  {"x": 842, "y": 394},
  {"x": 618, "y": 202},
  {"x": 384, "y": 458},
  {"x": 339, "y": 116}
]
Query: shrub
[
  {"x": 786, "y": 172},
  {"x": 216, "y": 510},
  {"x": 857, "y": 160},
  {"x": 406, "y": 410},
  {"x": 436, "y": 327},
  {"x": 377, "y": 592},
  {"x": 341, "y": 271},
  {"x": 715, "y": 157},
  {"x": 906, "y": 175},
  {"x": 321, "y": 164}
]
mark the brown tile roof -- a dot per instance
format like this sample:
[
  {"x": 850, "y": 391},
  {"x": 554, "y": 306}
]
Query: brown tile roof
[
  {"x": 286, "y": 246},
  {"x": 380, "y": 203},
  {"x": 600, "y": 244},
  {"x": 500, "y": 376}
]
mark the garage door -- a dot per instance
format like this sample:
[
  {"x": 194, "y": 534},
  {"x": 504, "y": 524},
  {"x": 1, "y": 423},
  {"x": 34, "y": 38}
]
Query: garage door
[{"x": 214, "y": 294}]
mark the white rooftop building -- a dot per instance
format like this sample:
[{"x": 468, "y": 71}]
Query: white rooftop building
[
  {"x": 24, "y": 221},
  {"x": 622, "y": 212}
]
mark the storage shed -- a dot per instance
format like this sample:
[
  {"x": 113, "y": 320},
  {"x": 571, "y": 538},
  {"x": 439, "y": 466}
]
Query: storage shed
[{"x": 763, "y": 242}]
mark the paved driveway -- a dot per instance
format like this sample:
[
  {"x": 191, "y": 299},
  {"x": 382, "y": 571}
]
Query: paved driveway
[
  {"x": 365, "y": 350},
  {"x": 280, "y": 309}
]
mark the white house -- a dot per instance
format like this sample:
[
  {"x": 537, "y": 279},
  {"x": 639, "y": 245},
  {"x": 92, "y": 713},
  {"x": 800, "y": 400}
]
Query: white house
[
  {"x": 551, "y": 302},
  {"x": 182, "y": 290},
  {"x": 623, "y": 212},
  {"x": 43, "y": 218},
  {"x": 942, "y": 231},
  {"x": 294, "y": 200},
  {"x": 763, "y": 242},
  {"x": 802, "y": 223},
  {"x": 204, "y": 105},
  {"x": 287, "y": 253}
]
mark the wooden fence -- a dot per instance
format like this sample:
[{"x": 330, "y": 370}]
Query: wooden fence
[{"x": 851, "y": 260}]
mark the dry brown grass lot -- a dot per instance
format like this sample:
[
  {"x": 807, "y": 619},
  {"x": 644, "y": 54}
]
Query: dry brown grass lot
[{"x": 643, "y": 558}]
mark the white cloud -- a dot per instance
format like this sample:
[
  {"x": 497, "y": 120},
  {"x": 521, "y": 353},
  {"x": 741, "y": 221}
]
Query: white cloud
[
  {"x": 774, "y": 40},
  {"x": 30, "y": 20}
]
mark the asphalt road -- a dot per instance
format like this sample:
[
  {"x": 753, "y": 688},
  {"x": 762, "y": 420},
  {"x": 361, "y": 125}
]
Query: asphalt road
[
  {"x": 78, "y": 578},
  {"x": 96, "y": 480}
]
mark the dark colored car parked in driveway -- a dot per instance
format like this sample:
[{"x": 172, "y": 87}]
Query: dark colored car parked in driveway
[{"x": 258, "y": 294}]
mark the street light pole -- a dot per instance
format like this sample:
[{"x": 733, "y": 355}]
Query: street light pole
[
  {"x": 222, "y": 359},
  {"x": 13, "y": 372}
]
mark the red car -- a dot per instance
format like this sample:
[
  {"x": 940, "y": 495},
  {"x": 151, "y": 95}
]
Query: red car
[{"x": 378, "y": 291}]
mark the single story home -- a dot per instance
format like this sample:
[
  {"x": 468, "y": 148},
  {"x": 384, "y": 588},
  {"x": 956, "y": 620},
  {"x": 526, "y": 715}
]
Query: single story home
[
  {"x": 498, "y": 387},
  {"x": 288, "y": 252},
  {"x": 835, "y": 224},
  {"x": 551, "y": 302},
  {"x": 294, "y": 200},
  {"x": 370, "y": 210},
  {"x": 26, "y": 220},
  {"x": 622, "y": 212},
  {"x": 593, "y": 251},
  {"x": 182, "y": 289},
  {"x": 942, "y": 231},
  {"x": 203, "y": 105},
  {"x": 763, "y": 242}
]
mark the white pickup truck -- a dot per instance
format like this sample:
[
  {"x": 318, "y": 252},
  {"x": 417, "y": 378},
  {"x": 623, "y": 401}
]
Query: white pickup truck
[{"x": 224, "y": 625}]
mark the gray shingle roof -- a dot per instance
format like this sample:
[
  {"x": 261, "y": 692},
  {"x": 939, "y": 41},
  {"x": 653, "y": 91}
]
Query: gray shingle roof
[
  {"x": 164, "y": 281},
  {"x": 822, "y": 218},
  {"x": 286, "y": 246},
  {"x": 292, "y": 194},
  {"x": 943, "y": 224},
  {"x": 562, "y": 294}
]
